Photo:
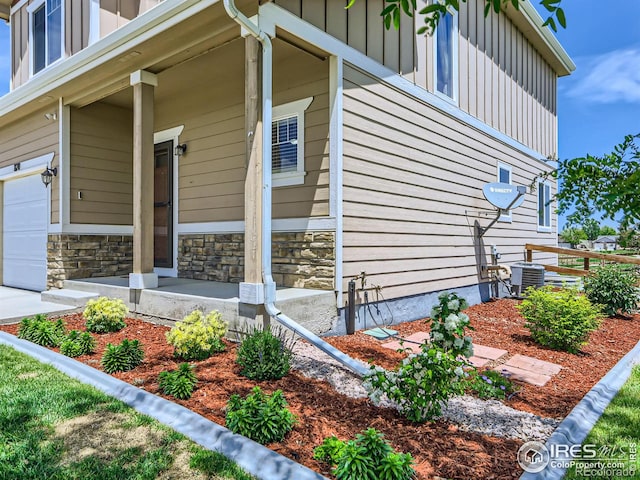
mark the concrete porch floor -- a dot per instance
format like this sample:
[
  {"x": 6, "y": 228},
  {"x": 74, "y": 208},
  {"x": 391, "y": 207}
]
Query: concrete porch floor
[{"x": 176, "y": 297}]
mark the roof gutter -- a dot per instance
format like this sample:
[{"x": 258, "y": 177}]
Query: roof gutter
[{"x": 267, "y": 277}]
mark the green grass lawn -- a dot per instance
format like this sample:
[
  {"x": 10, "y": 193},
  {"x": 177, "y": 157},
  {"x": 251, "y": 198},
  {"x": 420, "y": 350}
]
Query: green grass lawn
[
  {"x": 54, "y": 427},
  {"x": 617, "y": 432}
]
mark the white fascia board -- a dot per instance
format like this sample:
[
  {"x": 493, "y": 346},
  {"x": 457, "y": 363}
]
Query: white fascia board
[
  {"x": 281, "y": 18},
  {"x": 148, "y": 25}
]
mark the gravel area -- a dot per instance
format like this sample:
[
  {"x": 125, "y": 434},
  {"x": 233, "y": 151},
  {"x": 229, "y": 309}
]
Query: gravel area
[{"x": 489, "y": 417}]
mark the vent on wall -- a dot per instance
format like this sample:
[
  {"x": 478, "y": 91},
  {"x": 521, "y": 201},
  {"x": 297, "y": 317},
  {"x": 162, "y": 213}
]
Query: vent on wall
[{"x": 525, "y": 275}]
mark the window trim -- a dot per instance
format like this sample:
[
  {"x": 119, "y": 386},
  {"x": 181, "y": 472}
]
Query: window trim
[
  {"x": 36, "y": 5},
  {"x": 286, "y": 110},
  {"x": 542, "y": 186},
  {"x": 455, "y": 62},
  {"x": 505, "y": 166}
]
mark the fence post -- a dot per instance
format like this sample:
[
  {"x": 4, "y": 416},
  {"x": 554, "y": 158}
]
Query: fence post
[{"x": 586, "y": 263}]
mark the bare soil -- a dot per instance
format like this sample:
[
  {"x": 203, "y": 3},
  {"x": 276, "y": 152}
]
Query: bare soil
[{"x": 440, "y": 449}]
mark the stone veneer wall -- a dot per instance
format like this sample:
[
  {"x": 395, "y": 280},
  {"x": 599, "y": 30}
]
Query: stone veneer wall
[
  {"x": 300, "y": 259},
  {"x": 86, "y": 256}
]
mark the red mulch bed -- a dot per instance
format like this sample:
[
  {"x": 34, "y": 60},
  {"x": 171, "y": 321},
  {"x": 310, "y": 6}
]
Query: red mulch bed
[{"x": 439, "y": 449}]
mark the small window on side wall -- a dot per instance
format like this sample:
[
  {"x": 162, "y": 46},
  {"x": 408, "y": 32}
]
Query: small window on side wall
[
  {"x": 544, "y": 207},
  {"x": 504, "y": 176},
  {"x": 45, "y": 28},
  {"x": 287, "y": 143},
  {"x": 446, "y": 56}
]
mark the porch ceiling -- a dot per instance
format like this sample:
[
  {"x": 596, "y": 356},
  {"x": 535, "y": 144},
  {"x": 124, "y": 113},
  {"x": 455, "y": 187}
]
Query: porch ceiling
[{"x": 5, "y": 6}]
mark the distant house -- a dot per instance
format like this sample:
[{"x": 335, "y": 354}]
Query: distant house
[
  {"x": 606, "y": 242},
  {"x": 379, "y": 144}
]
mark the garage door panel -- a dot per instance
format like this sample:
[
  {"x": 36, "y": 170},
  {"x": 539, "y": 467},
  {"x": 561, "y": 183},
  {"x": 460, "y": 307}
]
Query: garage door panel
[{"x": 25, "y": 233}]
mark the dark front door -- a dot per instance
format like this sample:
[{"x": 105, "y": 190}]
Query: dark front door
[{"x": 163, "y": 209}]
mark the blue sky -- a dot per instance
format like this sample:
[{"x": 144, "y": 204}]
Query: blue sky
[{"x": 597, "y": 105}]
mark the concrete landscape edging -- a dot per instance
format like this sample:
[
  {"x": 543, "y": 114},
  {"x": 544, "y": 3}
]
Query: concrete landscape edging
[
  {"x": 252, "y": 457},
  {"x": 576, "y": 426}
]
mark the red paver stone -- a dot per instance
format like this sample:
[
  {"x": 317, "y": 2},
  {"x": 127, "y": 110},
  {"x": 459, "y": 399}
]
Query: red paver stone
[
  {"x": 420, "y": 337},
  {"x": 533, "y": 365},
  {"x": 524, "y": 375},
  {"x": 488, "y": 352},
  {"x": 396, "y": 345}
]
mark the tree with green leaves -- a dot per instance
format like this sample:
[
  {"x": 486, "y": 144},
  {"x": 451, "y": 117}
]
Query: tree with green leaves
[
  {"x": 573, "y": 235},
  {"x": 608, "y": 231},
  {"x": 591, "y": 228},
  {"x": 435, "y": 11}
]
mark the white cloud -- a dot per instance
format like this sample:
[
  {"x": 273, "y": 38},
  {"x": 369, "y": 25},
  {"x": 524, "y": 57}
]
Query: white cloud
[{"x": 609, "y": 78}]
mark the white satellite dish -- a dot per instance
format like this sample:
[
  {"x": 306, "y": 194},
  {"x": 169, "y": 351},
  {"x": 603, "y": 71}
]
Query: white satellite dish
[{"x": 504, "y": 196}]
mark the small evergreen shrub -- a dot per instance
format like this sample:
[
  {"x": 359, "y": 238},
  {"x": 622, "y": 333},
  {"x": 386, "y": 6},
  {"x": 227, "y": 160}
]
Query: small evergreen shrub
[
  {"x": 421, "y": 385},
  {"x": 263, "y": 418},
  {"x": 104, "y": 315},
  {"x": 614, "y": 288},
  {"x": 265, "y": 355},
  {"x": 197, "y": 336},
  {"x": 560, "y": 319},
  {"x": 39, "y": 329},
  {"x": 179, "y": 383},
  {"x": 448, "y": 325},
  {"x": 368, "y": 456},
  {"x": 77, "y": 343},
  {"x": 122, "y": 357},
  {"x": 489, "y": 384}
]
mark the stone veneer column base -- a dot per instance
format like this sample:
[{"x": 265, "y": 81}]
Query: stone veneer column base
[
  {"x": 84, "y": 256},
  {"x": 300, "y": 259}
]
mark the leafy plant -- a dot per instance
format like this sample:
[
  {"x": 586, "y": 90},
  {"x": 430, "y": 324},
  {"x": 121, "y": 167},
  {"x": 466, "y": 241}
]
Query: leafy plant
[
  {"x": 448, "y": 325},
  {"x": 77, "y": 343},
  {"x": 178, "y": 383},
  {"x": 122, "y": 357},
  {"x": 265, "y": 355},
  {"x": 421, "y": 385},
  {"x": 39, "y": 329},
  {"x": 368, "y": 456},
  {"x": 197, "y": 336},
  {"x": 559, "y": 319},
  {"x": 489, "y": 384},
  {"x": 105, "y": 315},
  {"x": 614, "y": 288},
  {"x": 263, "y": 418}
]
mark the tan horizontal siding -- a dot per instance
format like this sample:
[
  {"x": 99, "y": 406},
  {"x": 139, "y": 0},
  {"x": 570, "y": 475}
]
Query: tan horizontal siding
[
  {"x": 101, "y": 165},
  {"x": 413, "y": 180}
]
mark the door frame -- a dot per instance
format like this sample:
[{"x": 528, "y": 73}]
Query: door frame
[{"x": 171, "y": 134}]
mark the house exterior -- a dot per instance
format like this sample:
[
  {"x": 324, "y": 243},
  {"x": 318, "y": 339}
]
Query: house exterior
[
  {"x": 606, "y": 242},
  {"x": 381, "y": 144}
]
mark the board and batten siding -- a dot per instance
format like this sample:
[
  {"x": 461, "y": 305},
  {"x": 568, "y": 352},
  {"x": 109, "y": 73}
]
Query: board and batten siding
[
  {"x": 503, "y": 80},
  {"x": 29, "y": 138},
  {"x": 116, "y": 13},
  {"x": 101, "y": 165},
  {"x": 413, "y": 180},
  {"x": 210, "y": 105}
]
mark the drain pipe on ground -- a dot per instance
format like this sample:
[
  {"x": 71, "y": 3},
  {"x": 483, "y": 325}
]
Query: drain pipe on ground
[{"x": 356, "y": 366}]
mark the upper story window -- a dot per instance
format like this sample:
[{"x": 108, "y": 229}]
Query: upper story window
[
  {"x": 544, "y": 207},
  {"x": 287, "y": 143},
  {"x": 504, "y": 176},
  {"x": 46, "y": 33},
  {"x": 446, "y": 56}
]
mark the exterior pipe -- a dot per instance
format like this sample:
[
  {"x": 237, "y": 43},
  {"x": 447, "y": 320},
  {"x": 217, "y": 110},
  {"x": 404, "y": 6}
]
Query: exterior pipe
[{"x": 357, "y": 367}]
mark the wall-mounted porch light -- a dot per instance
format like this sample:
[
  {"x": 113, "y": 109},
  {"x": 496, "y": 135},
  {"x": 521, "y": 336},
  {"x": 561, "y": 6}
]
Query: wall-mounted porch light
[
  {"x": 48, "y": 174},
  {"x": 180, "y": 149}
]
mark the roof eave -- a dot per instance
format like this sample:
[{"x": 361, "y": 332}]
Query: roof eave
[
  {"x": 529, "y": 22},
  {"x": 5, "y": 10}
]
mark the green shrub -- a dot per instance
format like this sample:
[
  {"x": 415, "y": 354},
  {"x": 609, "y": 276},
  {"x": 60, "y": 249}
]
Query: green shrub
[
  {"x": 559, "y": 319},
  {"x": 265, "y": 355},
  {"x": 77, "y": 343},
  {"x": 489, "y": 384},
  {"x": 197, "y": 337},
  {"x": 614, "y": 288},
  {"x": 263, "y": 418},
  {"x": 38, "y": 329},
  {"x": 105, "y": 315},
  {"x": 421, "y": 385},
  {"x": 178, "y": 383},
  {"x": 122, "y": 357},
  {"x": 369, "y": 456},
  {"x": 448, "y": 325}
]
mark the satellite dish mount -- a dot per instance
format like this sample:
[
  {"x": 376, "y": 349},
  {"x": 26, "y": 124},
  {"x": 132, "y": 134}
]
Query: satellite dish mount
[{"x": 504, "y": 197}]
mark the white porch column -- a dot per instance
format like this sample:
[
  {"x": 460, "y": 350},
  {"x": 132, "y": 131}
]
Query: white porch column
[{"x": 143, "y": 84}]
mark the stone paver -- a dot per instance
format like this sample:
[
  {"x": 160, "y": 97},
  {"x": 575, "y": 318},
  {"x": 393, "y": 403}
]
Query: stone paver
[
  {"x": 489, "y": 353},
  {"x": 526, "y": 376},
  {"x": 533, "y": 365},
  {"x": 419, "y": 337},
  {"x": 396, "y": 345},
  {"x": 478, "y": 362}
]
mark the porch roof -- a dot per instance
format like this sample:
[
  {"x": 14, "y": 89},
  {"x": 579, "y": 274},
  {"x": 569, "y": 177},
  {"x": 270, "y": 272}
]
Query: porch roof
[{"x": 5, "y": 7}]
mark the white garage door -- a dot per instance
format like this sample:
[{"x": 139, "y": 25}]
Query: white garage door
[{"x": 25, "y": 233}]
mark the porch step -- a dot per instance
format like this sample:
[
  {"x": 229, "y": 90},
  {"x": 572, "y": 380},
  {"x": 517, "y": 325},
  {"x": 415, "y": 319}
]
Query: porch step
[{"x": 66, "y": 296}]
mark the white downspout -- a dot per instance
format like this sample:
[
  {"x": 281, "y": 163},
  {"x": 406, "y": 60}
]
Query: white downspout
[{"x": 269, "y": 285}]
